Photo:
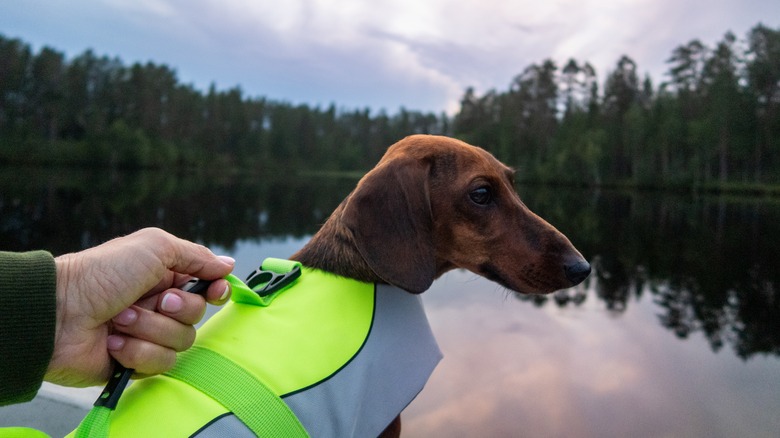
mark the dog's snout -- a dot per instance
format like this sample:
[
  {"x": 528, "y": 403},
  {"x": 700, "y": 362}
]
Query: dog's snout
[{"x": 577, "y": 272}]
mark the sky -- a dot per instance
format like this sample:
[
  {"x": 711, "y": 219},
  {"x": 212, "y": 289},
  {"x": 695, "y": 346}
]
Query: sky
[{"x": 379, "y": 54}]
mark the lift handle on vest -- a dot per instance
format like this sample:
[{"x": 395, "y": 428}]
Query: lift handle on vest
[
  {"x": 265, "y": 283},
  {"x": 121, "y": 374}
]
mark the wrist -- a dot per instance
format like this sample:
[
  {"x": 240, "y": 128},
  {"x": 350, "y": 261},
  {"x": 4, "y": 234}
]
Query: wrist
[
  {"x": 62, "y": 265},
  {"x": 65, "y": 268}
]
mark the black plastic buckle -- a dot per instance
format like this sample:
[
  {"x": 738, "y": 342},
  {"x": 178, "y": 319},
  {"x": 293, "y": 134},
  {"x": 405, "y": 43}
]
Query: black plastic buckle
[{"x": 265, "y": 283}]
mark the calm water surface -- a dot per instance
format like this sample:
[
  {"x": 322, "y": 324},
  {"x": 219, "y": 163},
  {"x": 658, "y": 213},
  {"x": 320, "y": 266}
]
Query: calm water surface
[{"x": 676, "y": 333}]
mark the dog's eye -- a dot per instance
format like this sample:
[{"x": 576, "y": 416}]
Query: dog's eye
[{"x": 481, "y": 196}]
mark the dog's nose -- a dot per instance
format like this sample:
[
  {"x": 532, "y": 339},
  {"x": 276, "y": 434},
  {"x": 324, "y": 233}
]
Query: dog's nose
[{"x": 577, "y": 271}]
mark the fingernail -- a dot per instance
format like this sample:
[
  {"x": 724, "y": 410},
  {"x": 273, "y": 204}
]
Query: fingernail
[
  {"x": 171, "y": 303},
  {"x": 226, "y": 293},
  {"x": 115, "y": 342},
  {"x": 126, "y": 317},
  {"x": 228, "y": 260}
]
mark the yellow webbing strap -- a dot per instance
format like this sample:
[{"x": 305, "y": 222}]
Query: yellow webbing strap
[
  {"x": 229, "y": 384},
  {"x": 96, "y": 424}
]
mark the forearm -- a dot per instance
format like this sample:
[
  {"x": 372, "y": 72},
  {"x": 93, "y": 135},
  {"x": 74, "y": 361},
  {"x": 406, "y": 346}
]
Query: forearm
[{"x": 27, "y": 322}]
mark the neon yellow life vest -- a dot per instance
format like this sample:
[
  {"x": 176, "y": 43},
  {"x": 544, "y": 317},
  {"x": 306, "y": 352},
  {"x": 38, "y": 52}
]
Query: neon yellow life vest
[{"x": 345, "y": 357}]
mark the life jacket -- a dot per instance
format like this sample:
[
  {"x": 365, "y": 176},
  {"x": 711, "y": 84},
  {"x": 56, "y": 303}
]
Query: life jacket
[{"x": 345, "y": 358}]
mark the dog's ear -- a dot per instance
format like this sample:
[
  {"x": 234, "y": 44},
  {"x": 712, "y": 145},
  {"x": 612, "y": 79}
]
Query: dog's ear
[{"x": 389, "y": 214}]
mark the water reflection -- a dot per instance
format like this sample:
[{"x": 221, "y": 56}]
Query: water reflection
[
  {"x": 66, "y": 210},
  {"x": 710, "y": 263},
  {"x": 581, "y": 371},
  {"x": 603, "y": 359}
]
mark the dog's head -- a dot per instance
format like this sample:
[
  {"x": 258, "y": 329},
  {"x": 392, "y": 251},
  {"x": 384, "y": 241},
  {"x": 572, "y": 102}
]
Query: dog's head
[{"x": 435, "y": 203}]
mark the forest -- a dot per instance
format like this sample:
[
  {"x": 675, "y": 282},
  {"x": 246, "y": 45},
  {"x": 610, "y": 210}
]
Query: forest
[{"x": 713, "y": 123}]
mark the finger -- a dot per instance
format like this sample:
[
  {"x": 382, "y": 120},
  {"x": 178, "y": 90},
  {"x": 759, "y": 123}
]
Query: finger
[
  {"x": 145, "y": 357},
  {"x": 218, "y": 292},
  {"x": 185, "y": 307},
  {"x": 150, "y": 326},
  {"x": 170, "y": 280},
  {"x": 214, "y": 291}
]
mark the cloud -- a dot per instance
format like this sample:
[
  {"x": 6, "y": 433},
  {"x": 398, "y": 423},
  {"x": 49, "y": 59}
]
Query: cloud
[{"x": 384, "y": 53}]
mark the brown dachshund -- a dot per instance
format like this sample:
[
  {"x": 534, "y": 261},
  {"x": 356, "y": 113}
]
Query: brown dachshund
[{"x": 433, "y": 204}]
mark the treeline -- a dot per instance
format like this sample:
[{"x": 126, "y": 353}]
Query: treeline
[
  {"x": 96, "y": 111},
  {"x": 714, "y": 121}
]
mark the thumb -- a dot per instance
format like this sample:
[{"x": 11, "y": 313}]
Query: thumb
[{"x": 189, "y": 258}]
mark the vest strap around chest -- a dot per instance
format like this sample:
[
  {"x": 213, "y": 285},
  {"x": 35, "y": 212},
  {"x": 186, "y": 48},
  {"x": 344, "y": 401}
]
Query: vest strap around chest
[{"x": 227, "y": 383}]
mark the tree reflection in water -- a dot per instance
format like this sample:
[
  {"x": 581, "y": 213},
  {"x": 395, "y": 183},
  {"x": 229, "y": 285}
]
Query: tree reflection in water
[{"x": 708, "y": 261}]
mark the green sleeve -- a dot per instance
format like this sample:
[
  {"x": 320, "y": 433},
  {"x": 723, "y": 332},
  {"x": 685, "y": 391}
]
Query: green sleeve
[{"x": 27, "y": 322}]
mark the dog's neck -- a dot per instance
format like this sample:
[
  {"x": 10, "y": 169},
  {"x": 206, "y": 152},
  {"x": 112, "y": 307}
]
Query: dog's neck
[{"x": 332, "y": 249}]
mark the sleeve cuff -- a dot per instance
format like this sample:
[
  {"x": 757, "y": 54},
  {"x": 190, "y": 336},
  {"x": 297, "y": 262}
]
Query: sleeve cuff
[{"x": 27, "y": 322}]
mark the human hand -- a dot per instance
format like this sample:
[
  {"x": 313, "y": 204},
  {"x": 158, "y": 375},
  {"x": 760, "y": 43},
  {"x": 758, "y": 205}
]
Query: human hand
[{"x": 122, "y": 299}]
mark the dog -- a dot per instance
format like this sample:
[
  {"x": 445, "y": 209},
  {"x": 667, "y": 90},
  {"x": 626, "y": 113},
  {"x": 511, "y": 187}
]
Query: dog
[
  {"x": 431, "y": 204},
  {"x": 450, "y": 205}
]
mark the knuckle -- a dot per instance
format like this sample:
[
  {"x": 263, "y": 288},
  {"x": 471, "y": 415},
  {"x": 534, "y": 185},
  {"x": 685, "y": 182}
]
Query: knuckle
[{"x": 157, "y": 238}]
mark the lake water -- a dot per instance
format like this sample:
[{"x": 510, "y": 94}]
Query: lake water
[{"x": 675, "y": 334}]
